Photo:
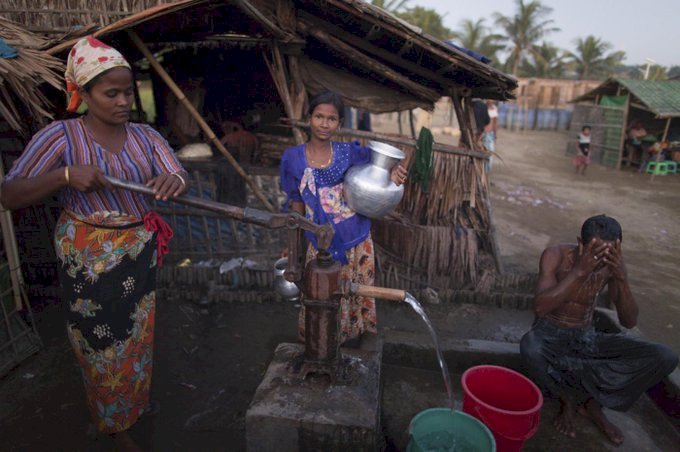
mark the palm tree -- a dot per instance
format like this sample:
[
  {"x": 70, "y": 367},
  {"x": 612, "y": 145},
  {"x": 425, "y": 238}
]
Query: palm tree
[
  {"x": 474, "y": 35},
  {"x": 547, "y": 61},
  {"x": 524, "y": 29},
  {"x": 590, "y": 58}
]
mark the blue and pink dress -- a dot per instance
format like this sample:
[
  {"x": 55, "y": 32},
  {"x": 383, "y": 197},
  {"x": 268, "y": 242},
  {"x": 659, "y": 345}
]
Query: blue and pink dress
[{"x": 321, "y": 192}]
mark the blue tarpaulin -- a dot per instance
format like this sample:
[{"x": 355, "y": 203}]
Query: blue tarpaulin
[
  {"x": 476, "y": 55},
  {"x": 7, "y": 51}
]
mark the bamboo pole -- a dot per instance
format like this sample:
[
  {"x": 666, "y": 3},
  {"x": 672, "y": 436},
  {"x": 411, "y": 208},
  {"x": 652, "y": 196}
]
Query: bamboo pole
[
  {"x": 278, "y": 73},
  {"x": 10, "y": 241},
  {"x": 400, "y": 140},
  {"x": 299, "y": 95},
  {"x": 197, "y": 116},
  {"x": 622, "y": 141},
  {"x": 255, "y": 14},
  {"x": 665, "y": 135},
  {"x": 410, "y": 123},
  {"x": 471, "y": 122},
  {"x": 465, "y": 136}
]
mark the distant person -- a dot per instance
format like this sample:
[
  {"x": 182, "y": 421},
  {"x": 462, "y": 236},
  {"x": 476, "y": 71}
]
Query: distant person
[
  {"x": 563, "y": 353},
  {"x": 655, "y": 152},
  {"x": 634, "y": 135},
  {"x": 364, "y": 120},
  {"x": 582, "y": 159},
  {"x": 490, "y": 130},
  {"x": 482, "y": 119}
]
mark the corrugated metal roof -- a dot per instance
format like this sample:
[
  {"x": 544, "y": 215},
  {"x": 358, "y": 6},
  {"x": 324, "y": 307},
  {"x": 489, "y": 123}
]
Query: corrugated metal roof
[{"x": 660, "y": 96}]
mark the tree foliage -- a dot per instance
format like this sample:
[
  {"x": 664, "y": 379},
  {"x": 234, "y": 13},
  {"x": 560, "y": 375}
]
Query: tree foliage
[
  {"x": 475, "y": 35},
  {"x": 524, "y": 29},
  {"x": 591, "y": 58},
  {"x": 522, "y": 36},
  {"x": 429, "y": 20},
  {"x": 545, "y": 61}
]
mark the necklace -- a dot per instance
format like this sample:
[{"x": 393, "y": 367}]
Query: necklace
[{"x": 318, "y": 164}]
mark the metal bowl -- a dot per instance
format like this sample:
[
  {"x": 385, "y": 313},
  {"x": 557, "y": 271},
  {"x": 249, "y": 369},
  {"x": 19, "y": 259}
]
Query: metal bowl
[{"x": 289, "y": 291}]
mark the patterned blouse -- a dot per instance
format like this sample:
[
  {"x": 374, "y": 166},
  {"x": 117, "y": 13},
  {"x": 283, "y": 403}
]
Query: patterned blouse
[
  {"x": 321, "y": 190},
  {"x": 66, "y": 143}
]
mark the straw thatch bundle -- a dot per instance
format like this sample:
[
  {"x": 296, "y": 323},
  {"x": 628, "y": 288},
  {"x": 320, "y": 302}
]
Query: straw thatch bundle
[
  {"x": 456, "y": 180},
  {"x": 59, "y": 16},
  {"x": 21, "y": 77},
  {"x": 432, "y": 250}
]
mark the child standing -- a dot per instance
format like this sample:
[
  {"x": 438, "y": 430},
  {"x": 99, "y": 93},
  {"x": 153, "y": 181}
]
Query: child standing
[{"x": 582, "y": 159}]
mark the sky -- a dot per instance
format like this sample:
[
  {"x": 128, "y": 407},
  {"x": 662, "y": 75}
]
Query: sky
[{"x": 642, "y": 28}]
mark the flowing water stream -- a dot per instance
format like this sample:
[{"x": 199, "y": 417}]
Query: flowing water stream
[{"x": 410, "y": 299}]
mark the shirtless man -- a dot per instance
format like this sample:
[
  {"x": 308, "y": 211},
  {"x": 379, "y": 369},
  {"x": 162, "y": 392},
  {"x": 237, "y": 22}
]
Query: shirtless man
[{"x": 563, "y": 353}]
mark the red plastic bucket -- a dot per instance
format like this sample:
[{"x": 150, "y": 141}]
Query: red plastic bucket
[{"x": 505, "y": 401}]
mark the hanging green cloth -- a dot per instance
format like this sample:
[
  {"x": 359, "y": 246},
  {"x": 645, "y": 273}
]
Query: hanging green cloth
[
  {"x": 613, "y": 101},
  {"x": 421, "y": 169}
]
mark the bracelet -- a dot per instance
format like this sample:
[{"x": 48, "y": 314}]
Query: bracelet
[
  {"x": 66, "y": 176},
  {"x": 181, "y": 179}
]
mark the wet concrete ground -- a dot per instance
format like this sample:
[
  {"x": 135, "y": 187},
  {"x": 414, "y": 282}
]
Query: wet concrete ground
[{"x": 209, "y": 363}]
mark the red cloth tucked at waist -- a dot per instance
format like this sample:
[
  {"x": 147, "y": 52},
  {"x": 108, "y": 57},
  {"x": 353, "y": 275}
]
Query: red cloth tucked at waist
[{"x": 154, "y": 222}]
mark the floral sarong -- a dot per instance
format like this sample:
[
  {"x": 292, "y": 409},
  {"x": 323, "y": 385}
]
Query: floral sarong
[
  {"x": 357, "y": 313},
  {"x": 108, "y": 281}
]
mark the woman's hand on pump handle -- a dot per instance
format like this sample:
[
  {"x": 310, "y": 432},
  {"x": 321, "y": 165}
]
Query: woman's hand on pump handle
[
  {"x": 167, "y": 185},
  {"x": 398, "y": 175},
  {"x": 86, "y": 178}
]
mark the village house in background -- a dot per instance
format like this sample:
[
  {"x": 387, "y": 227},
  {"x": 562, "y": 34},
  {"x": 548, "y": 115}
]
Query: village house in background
[
  {"x": 613, "y": 106},
  {"x": 542, "y": 104}
]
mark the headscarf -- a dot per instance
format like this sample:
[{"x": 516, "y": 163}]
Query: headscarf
[{"x": 88, "y": 58}]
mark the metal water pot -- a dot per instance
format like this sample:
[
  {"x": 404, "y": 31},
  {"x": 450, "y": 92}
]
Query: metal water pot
[
  {"x": 288, "y": 290},
  {"x": 368, "y": 188}
]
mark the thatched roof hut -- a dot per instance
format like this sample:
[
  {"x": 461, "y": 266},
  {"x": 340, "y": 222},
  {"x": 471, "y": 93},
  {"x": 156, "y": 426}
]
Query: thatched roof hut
[
  {"x": 21, "y": 98},
  {"x": 347, "y": 36},
  {"x": 263, "y": 59}
]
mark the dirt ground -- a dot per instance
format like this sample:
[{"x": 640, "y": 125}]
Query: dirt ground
[
  {"x": 538, "y": 200},
  {"x": 209, "y": 361}
]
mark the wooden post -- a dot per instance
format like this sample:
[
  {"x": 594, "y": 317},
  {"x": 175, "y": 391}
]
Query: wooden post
[
  {"x": 525, "y": 112},
  {"x": 278, "y": 73},
  {"x": 141, "y": 116},
  {"x": 665, "y": 135},
  {"x": 665, "y": 131},
  {"x": 537, "y": 106},
  {"x": 197, "y": 116},
  {"x": 10, "y": 243},
  {"x": 299, "y": 94},
  {"x": 451, "y": 112},
  {"x": 622, "y": 141},
  {"x": 471, "y": 122},
  {"x": 410, "y": 123},
  {"x": 557, "y": 94},
  {"x": 465, "y": 136}
]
